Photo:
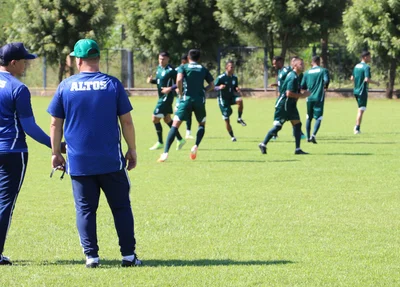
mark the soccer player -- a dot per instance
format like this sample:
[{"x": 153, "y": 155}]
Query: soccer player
[
  {"x": 277, "y": 63},
  {"x": 165, "y": 77},
  {"x": 361, "y": 77},
  {"x": 16, "y": 120},
  {"x": 87, "y": 107},
  {"x": 228, "y": 94},
  {"x": 286, "y": 108},
  {"x": 316, "y": 80},
  {"x": 193, "y": 99},
  {"x": 166, "y": 90}
]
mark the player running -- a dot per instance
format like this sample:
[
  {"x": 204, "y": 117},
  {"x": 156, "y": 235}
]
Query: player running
[
  {"x": 193, "y": 99},
  {"x": 228, "y": 94},
  {"x": 286, "y": 108},
  {"x": 165, "y": 77},
  {"x": 361, "y": 77},
  {"x": 316, "y": 80}
]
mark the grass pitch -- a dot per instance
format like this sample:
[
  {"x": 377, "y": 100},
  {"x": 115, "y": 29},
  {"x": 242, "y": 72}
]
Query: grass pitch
[{"x": 232, "y": 217}]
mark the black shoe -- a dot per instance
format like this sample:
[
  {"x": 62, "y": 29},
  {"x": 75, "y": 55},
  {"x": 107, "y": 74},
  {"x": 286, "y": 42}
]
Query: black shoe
[
  {"x": 5, "y": 260},
  {"x": 135, "y": 262},
  {"x": 240, "y": 121},
  {"x": 312, "y": 140},
  {"x": 299, "y": 151},
  {"x": 92, "y": 265},
  {"x": 262, "y": 148}
]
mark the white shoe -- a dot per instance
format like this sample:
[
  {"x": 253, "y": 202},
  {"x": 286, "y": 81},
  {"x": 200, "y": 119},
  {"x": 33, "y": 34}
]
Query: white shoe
[
  {"x": 189, "y": 135},
  {"x": 193, "y": 152},
  {"x": 156, "y": 146},
  {"x": 234, "y": 139},
  {"x": 163, "y": 157},
  {"x": 356, "y": 132}
]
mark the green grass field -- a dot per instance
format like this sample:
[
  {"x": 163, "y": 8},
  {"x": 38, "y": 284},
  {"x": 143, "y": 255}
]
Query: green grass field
[{"x": 232, "y": 217}]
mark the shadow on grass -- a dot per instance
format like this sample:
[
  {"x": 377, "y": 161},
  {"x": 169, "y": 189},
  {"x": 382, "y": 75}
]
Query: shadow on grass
[
  {"x": 227, "y": 149},
  {"x": 350, "y": 153},
  {"x": 284, "y": 160},
  {"x": 104, "y": 263},
  {"x": 236, "y": 160}
]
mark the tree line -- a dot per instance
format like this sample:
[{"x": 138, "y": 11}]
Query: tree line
[{"x": 50, "y": 28}]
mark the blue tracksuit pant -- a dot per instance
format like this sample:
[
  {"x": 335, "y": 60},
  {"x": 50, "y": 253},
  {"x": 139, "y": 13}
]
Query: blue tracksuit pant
[
  {"x": 12, "y": 173},
  {"x": 116, "y": 188}
]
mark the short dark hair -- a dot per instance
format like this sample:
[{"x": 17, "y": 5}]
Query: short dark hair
[
  {"x": 164, "y": 54},
  {"x": 365, "y": 54},
  {"x": 229, "y": 62},
  {"x": 194, "y": 55},
  {"x": 184, "y": 56},
  {"x": 316, "y": 59},
  {"x": 278, "y": 59},
  {"x": 3, "y": 62}
]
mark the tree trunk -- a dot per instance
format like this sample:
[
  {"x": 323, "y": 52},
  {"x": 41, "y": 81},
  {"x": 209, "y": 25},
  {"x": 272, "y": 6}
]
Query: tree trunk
[
  {"x": 324, "y": 48},
  {"x": 271, "y": 47},
  {"x": 61, "y": 68},
  {"x": 392, "y": 76},
  {"x": 284, "y": 46}
]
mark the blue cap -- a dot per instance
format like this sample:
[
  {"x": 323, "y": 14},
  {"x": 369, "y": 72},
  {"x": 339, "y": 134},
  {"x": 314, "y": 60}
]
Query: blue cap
[{"x": 15, "y": 51}]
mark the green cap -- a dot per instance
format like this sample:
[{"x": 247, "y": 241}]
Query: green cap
[{"x": 86, "y": 48}]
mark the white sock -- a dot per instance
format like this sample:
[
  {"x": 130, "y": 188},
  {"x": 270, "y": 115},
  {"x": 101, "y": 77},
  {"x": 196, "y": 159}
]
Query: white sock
[
  {"x": 129, "y": 258},
  {"x": 92, "y": 260}
]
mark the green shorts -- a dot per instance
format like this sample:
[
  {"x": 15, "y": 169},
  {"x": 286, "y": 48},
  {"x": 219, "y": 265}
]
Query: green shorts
[
  {"x": 225, "y": 106},
  {"x": 315, "y": 109},
  {"x": 285, "y": 111},
  {"x": 187, "y": 106},
  {"x": 163, "y": 107},
  {"x": 362, "y": 101}
]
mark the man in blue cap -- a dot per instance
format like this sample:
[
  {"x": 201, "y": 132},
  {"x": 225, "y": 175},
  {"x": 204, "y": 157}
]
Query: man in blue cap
[
  {"x": 16, "y": 119},
  {"x": 88, "y": 106}
]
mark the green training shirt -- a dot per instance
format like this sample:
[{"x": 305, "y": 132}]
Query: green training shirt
[
  {"x": 291, "y": 83},
  {"x": 194, "y": 74},
  {"x": 315, "y": 80},
  {"x": 230, "y": 82},
  {"x": 165, "y": 77},
  {"x": 282, "y": 74},
  {"x": 360, "y": 72}
]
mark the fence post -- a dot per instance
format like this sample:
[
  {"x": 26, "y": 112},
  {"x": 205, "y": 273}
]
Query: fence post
[
  {"x": 130, "y": 64},
  {"x": 265, "y": 68},
  {"x": 44, "y": 73}
]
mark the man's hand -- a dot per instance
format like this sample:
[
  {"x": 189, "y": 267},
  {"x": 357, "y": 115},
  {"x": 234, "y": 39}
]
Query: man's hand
[
  {"x": 57, "y": 160},
  {"x": 305, "y": 94},
  {"x": 222, "y": 86},
  {"x": 238, "y": 90},
  {"x": 149, "y": 78},
  {"x": 166, "y": 90},
  {"x": 131, "y": 158}
]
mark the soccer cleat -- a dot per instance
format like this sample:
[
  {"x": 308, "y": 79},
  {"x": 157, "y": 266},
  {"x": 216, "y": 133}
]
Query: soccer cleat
[
  {"x": 163, "y": 157},
  {"x": 133, "y": 263},
  {"x": 193, "y": 152},
  {"x": 356, "y": 131},
  {"x": 274, "y": 138},
  {"x": 312, "y": 140},
  {"x": 189, "y": 135},
  {"x": 180, "y": 144},
  {"x": 262, "y": 148},
  {"x": 303, "y": 136},
  {"x": 240, "y": 121},
  {"x": 92, "y": 262},
  {"x": 5, "y": 260},
  {"x": 234, "y": 139},
  {"x": 156, "y": 146},
  {"x": 300, "y": 151}
]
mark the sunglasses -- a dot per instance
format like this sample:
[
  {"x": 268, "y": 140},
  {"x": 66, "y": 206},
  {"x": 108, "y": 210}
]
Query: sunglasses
[{"x": 60, "y": 167}]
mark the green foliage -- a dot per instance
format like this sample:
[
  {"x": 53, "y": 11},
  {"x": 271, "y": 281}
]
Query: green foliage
[
  {"x": 51, "y": 28},
  {"x": 7, "y": 7},
  {"x": 374, "y": 24},
  {"x": 175, "y": 26},
  {"x": 232, "y": 217}
]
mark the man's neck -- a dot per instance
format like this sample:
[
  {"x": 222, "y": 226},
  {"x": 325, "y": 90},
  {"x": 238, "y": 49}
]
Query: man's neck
[{"x": 229, "y": 74}]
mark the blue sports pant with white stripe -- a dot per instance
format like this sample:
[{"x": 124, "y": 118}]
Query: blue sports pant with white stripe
[
  {"x": 12, "y": 173},
  {"x": 116, "y": 188}
]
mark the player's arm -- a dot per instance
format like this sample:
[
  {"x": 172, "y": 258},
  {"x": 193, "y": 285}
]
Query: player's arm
[
  {"x": 367, "y": 72},
  {"x": 291, "y": 87},
  {"x": 56, "y": 134},
  {"x": 128, "y": 132},
  {"x": 150, "y": 80},
  {"x": 210, "y": 80},
  {"x": 25, "y": 114},
  {"x": 179, "y": 83},
  {"x": 327, "y": 79}
]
